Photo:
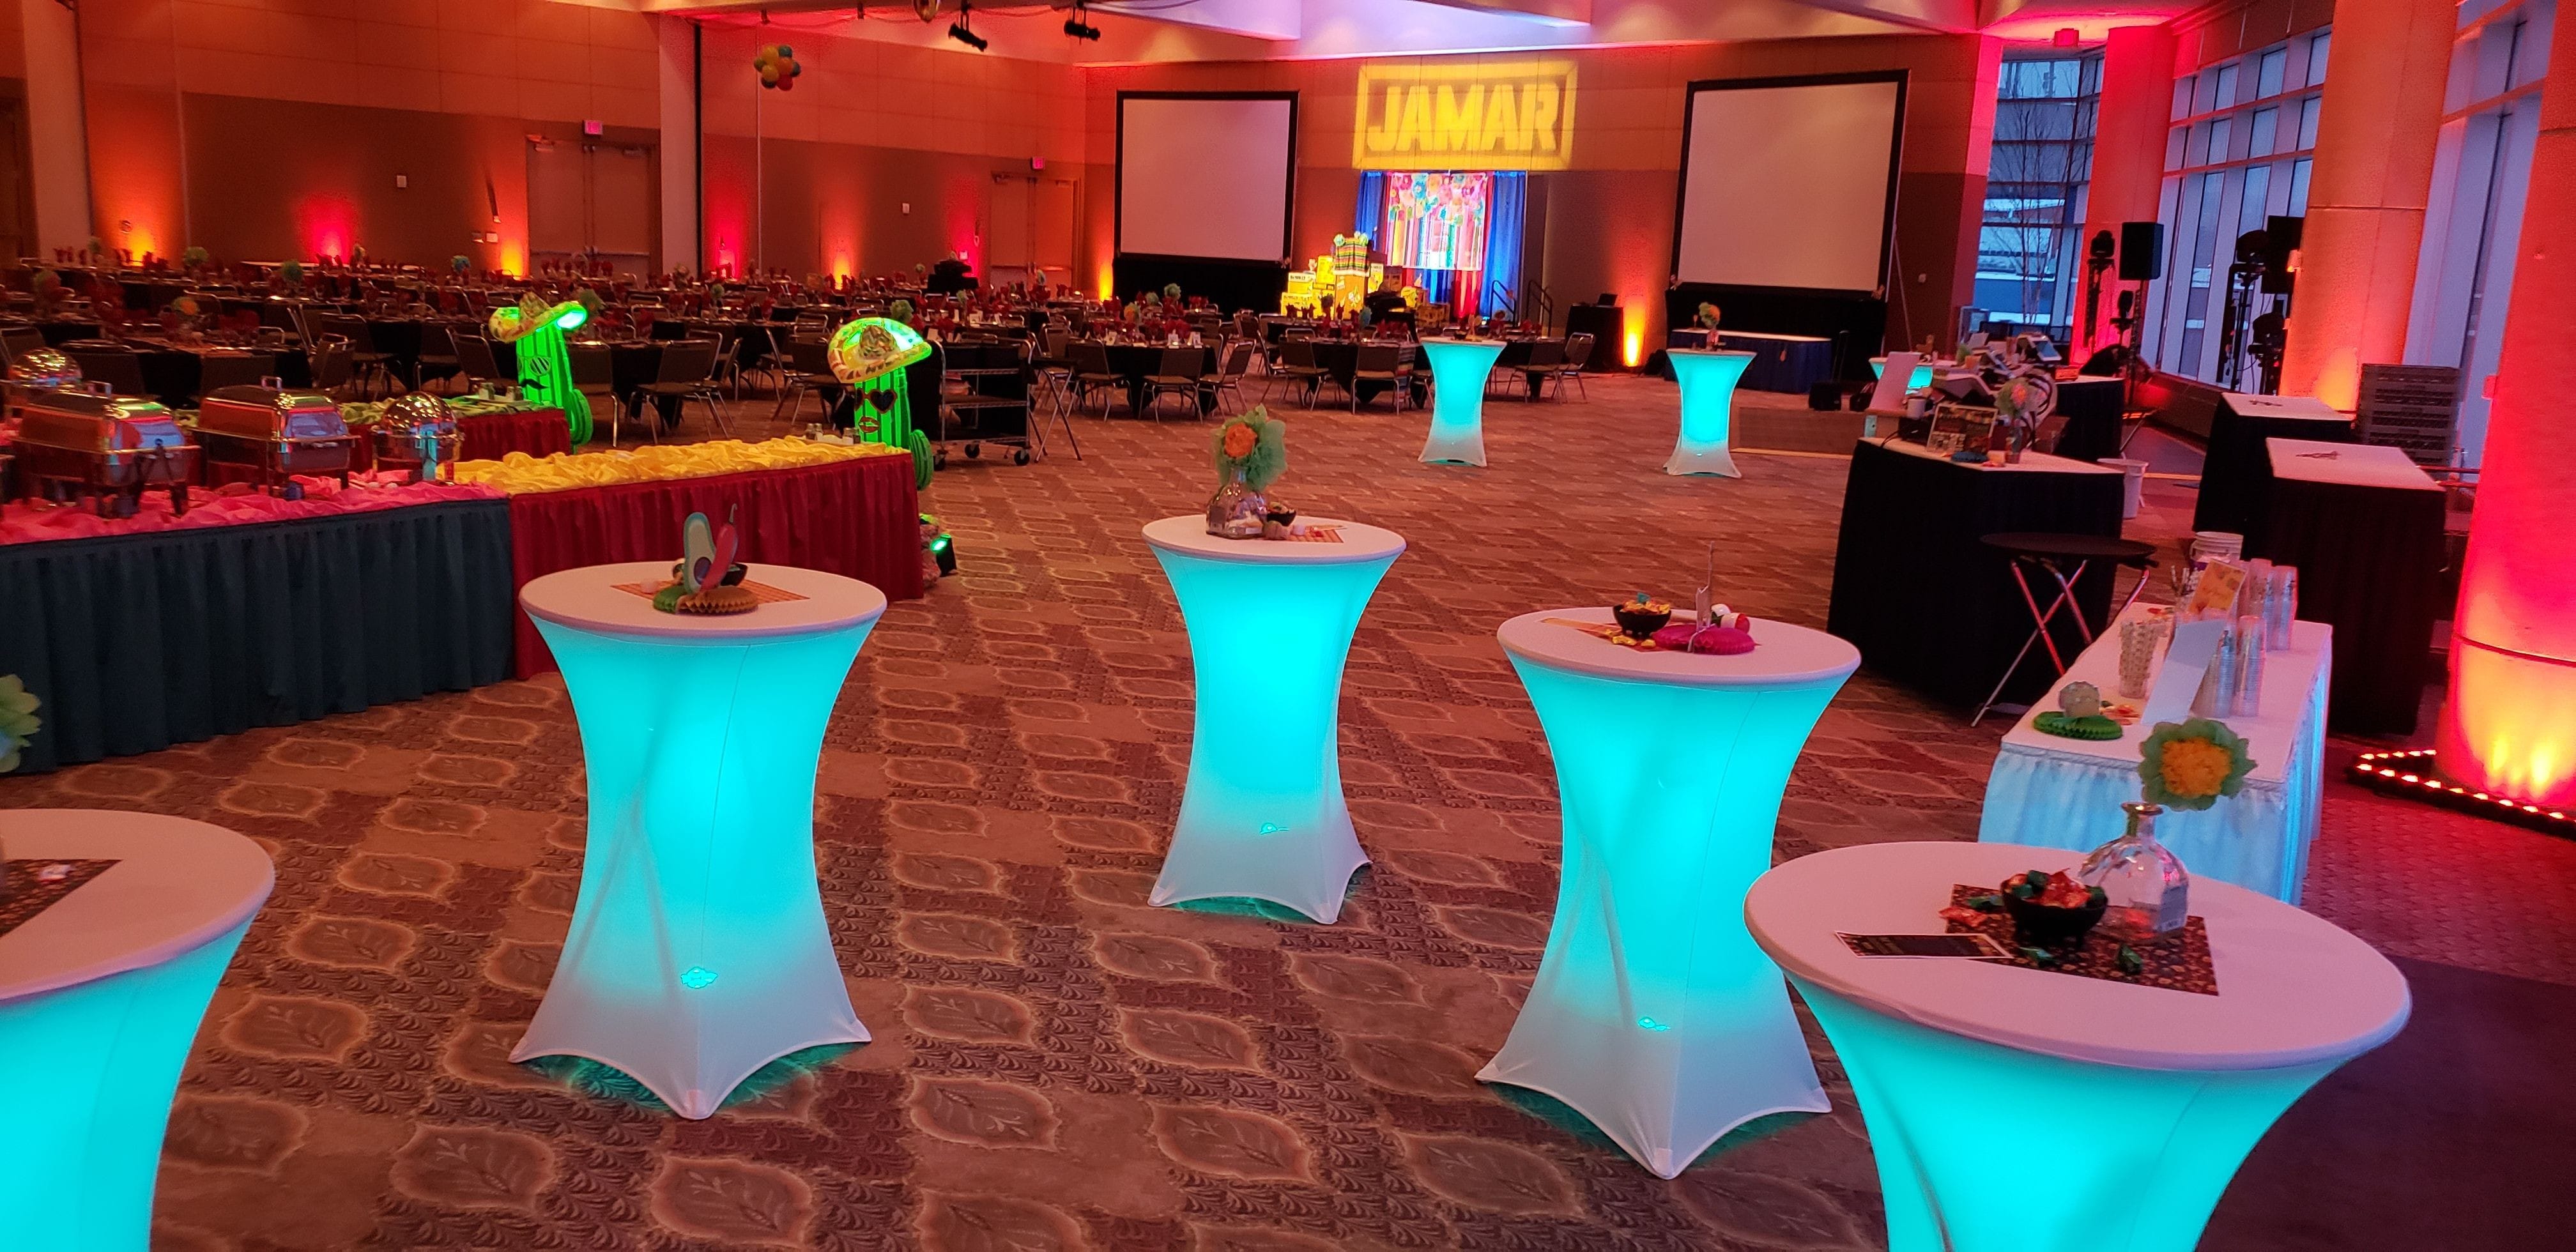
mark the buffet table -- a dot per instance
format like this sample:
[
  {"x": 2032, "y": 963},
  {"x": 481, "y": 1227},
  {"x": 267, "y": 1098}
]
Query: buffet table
[
  {"x": 859, "y": 518},
  {"x": 2057, "y": 792},
  {"x": 2015, "y": 1109},
  {"x": 1925, "y": 601},
  {"x": 139, "y": 640}
]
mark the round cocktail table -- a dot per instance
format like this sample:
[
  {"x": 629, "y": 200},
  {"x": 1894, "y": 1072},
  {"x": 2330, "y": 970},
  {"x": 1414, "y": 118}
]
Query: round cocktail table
[
  {"x": 1270, "y": 625},
  {"x": 100, "y": 998},
  {"x": 698, "y": 951},
  {"x": 1653, "y": 1013},
  {"x": 2023, "y": 1110},
  {"x": 1458, "y": 370},
  {"x": 1708, "y": 379}
]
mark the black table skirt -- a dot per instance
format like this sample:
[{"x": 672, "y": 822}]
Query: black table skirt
[
  {"x": 1930, "y": 606},
  {"x": 1789, "y": 366},
  {"x": 2370, "y": 564},
  {"x": 2092, "y": 408},
  {"x": 138, "y": 642},
  {"x": 2236, "y": 474}
]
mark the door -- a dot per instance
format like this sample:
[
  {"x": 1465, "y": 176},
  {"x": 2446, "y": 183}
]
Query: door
[
  {"x": 593, "y": 199},
  {"x": 1054, "y": 229},
  {"x": 1008, "y": 247}
]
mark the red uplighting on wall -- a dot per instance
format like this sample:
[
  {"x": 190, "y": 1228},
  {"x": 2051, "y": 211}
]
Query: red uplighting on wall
[{"x": 328, "y": 225}]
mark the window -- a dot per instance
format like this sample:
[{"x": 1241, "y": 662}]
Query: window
[
  {"x": 2235, "y": 159},
  {"x": 2028, "y": 259}
]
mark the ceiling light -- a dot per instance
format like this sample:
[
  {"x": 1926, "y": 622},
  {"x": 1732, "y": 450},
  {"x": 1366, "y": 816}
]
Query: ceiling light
[
  {"x": 1078, "y": 27},
  {"x": 958, "y": 31}
]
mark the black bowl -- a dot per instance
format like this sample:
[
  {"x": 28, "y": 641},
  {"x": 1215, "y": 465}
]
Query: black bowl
[
  {"x": 2058, "y": 929},
  {"x": 1639, "y": 623}
]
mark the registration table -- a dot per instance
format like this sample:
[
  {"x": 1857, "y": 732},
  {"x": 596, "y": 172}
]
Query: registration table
[
  {"x": 1708, "y": 381},
  {"x": 698, "y": 951},
  {"x": 2023, "y": 1110},
  {"x": 1270, "y": 624},
  {"x": 1653, "y": 1014},
  {"x": 101, "y": 994},
  {"x": 1458, "y": 371},
  {"x": 2363, "y": 524},
  {"x": 2066, "y": 793}
]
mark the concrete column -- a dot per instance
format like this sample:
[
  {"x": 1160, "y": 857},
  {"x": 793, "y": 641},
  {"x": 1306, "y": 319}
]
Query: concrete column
[
  {"x": 2128, "y": 155},
  {"x": 2508, "y": 728},
  {"x": 678, "y": 37},
  {"x": 57, "y": 137},
  {"x": 2366, "y": 194}
]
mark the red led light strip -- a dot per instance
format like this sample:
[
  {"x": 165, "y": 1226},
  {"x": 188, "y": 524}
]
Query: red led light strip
[{"x": 2411, "y": 774}]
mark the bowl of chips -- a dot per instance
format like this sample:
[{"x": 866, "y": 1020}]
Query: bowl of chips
[
  {"x": 1641, "y": 617},
  {"x": 2052, "y": 911}
]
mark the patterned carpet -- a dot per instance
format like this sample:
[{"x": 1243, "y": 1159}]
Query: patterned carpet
[{"x": 1056, "y": 1065}]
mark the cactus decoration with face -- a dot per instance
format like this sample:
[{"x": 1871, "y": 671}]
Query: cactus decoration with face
[{"x": 871, "y": 355}]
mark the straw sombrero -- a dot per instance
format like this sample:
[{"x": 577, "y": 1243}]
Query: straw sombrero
[{"x": 874, "y": 346}]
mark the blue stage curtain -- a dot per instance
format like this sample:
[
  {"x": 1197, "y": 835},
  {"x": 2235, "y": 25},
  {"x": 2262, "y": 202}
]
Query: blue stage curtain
[
  {"x": 1503, "y": 241},
  {"x": 1369, "y": 219},
  {"x": 1434, "y": 284}
]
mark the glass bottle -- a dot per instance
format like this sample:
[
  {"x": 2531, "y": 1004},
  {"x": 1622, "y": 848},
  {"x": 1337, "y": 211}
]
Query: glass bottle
[{"x": 2149, "y": 891}]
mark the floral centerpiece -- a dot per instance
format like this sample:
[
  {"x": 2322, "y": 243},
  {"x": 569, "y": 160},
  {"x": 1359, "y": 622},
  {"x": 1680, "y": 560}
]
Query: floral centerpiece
[
  {"x": 18, "y": 720},
  {"x": 2182, "y": 765},
  {"x": 1251, "y": 452},
  {"x": 2192, "y": 764}
]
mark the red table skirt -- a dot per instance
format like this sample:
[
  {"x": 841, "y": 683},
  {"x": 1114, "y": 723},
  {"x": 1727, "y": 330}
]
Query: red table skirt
[
  {"x": 491, "y": 436},
  {"x": 860, "y": 518}
]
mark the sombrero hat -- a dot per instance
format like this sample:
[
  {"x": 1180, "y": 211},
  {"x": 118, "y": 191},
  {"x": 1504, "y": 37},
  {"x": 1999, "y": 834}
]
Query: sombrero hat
[
  {"x": 513, "y": 322},
  {"x": 873, "y": 346}
]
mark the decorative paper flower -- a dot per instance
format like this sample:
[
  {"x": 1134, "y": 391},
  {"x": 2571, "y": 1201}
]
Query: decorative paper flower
[
  {"x": 2189, "y": 765},
  {"x": 1254, "y": 445},
  {"x": 18, "y": 721}
]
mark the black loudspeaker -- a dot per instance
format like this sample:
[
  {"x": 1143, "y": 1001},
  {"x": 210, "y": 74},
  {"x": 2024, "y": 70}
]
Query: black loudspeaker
[
  {"x": 2281, "y": 235},
  {"x": 2142, "y": 251}
]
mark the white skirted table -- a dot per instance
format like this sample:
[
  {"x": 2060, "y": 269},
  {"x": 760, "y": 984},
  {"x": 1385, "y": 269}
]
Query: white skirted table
[
  {"x": 2066, "y": 793},
  {"x": 1458, "y": 370},
  {"x": 698, "y": 951},
  {"x": 2022, "y": 1110},
  {"x": 1270, "y": 625},
  {"x": 1653, "y": 1014},
  {"x": 1708, "y": 381},
  {"x": 101, "y": 994}
]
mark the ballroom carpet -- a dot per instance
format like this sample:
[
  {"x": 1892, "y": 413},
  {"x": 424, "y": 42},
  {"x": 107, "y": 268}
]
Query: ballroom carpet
[{"x": 1057, "y": 1065}]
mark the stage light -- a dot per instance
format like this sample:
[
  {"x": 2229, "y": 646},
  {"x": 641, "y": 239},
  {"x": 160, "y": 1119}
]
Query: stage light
[
  {"x": 1077, "y": 25},
  {"x": 957, "y": 30}
]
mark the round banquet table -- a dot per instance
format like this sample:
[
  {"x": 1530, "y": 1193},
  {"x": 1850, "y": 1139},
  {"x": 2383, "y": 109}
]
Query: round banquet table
[
  {"x": 1653, "y": 1013},
  {"x": 1708, "y": 379},
  {"x": 1458, "y": 370},
  {"x": 1270, "y": 625},
  {"x": 698, "y": 951},
  {"x": 2018, "y": 1109},
  {"x": 100, "y": 998}
]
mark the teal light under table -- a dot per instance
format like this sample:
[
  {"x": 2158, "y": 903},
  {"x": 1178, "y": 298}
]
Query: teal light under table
[
  {"x": 697, "y": 951},
  {"x": 1458, "y": 371},
  {"x": 1270, "y": 625},
  {"x": 101, "y": 996},
  {"x": 1653, "y": 1014},
  {"x": 1708, "y": 378},
  {"x": 2018, "y": 1110}
]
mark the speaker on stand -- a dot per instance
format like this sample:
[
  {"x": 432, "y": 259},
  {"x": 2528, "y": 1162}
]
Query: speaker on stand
[{"x": 2142, "y": 261}]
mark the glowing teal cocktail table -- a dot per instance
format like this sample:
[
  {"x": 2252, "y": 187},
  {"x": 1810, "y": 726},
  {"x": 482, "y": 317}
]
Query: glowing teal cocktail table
[
  {"x": 1916, "y": 379},
  {"x": 1708, "y": 379},
  {"x": 1270, "y": 625},
  {"x": 1458, "y": 370},
  {"x": 2017, "y": 1110},
  {"x": 697, "y": 951},
  {"x": 101, "y": 995},
  {"x": 1653, "y": 1013}
]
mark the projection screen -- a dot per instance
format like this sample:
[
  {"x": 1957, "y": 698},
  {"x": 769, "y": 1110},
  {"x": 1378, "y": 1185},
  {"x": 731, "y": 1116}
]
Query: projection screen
[
  {"x": 1206, "y": 175},
  {"x": 1789, "y": 182}
]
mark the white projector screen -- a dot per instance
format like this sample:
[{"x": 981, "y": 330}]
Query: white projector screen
[
  {"x": 1205, "y": 175},
  {"x": 1789, "y": 182}
]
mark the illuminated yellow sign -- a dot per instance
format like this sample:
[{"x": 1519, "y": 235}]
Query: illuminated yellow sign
[{"x": 1487, "y": 116}]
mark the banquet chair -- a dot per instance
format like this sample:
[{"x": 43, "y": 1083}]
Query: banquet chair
[
  {"x": 1091, "y": 372},
  {"x": 1178, "y": 375},
  {"x": 232, "y": 369},
  {"x": 687, "y": 372},
  {"x": 1235, "y": 362},
  {"x": 367, "y": 364},
  {"x": 332, "y": 363},
  {"x": 1381, "y": 363},
  {"x": 17, "y": 341},
  {"x": 1296, "y": 364},
  {"x": 474, "y": 354},
  {"x": 594, "y": 375},
  {"x": 110, "y": 363},
  {"x": 809, "y": 369},
  {"x": 1578, "y": 353},
  {"x": 438, "y": 358},
  {"x": 1546, "y": 357}
]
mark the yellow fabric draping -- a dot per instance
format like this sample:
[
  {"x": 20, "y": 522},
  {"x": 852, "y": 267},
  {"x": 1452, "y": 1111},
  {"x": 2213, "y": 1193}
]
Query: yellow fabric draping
[{"x": 520, "y": 474}]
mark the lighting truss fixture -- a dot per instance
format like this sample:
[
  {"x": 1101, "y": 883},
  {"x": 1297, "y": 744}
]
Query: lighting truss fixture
[
  {"x": 957, "y": 30},
  {"x": 1079, "y": 25},
  {"x": 2410, "y": 774}
]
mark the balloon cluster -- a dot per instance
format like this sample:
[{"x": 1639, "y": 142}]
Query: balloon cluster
[{"x": 777, "y": 65}]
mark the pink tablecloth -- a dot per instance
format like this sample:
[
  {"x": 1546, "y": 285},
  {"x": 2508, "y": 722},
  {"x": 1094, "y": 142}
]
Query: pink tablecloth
[{"x": 24, "y": 522}]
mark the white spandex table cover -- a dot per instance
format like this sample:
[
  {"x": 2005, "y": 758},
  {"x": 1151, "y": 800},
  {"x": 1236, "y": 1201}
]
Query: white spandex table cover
[
  {"x": 1458, "y": 370},
  {"x": 698, "y": 951},
  {"x": 100, "y": 999},
  {"x": 1708, "y": 381},
  {"x": 1653, "y": 1014},
  {"x": 2017, "y": 1110},
  {"x": 2066, "y": 793},
  {"x": 1270, "y": 625}
]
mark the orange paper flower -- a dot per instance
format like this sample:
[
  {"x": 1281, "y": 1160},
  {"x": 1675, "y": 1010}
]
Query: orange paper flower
[{"x": 1239, "y": 441}]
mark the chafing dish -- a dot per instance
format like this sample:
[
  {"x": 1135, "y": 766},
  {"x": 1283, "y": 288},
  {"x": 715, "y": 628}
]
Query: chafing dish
[
  {"x": 84, "y": 442},
  {"x": 275, "y": 434},
  {"x": 417, "y": 432}
]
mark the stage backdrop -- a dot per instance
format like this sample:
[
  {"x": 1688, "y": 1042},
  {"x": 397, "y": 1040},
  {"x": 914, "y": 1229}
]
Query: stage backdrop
[
  {"x": 1790, "y": 182},
  {"x": 1206, "y": 175}
]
